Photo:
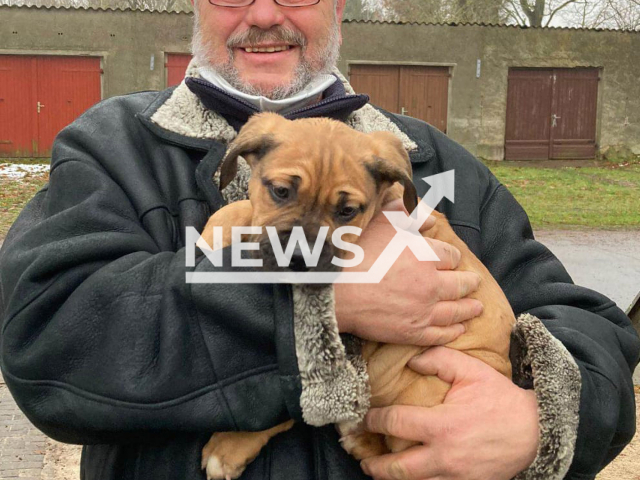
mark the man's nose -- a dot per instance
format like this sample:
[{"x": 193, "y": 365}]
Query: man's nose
[{"x": 265, "y": 14}]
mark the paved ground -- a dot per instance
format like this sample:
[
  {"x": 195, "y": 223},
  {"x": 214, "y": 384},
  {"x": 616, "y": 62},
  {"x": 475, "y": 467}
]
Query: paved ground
[
  {"x": 27, "y": 454},
  {"x": 608, "y": 262},
  {"x": 22, "y": 447}
]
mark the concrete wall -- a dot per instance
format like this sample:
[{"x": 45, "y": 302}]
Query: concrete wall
[
  {"x": 477, "y": 106},
  {"x": 125, "y": 41}
]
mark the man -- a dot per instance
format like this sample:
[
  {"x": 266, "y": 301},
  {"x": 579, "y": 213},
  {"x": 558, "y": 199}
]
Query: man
[{"x": 104, "y": 343}]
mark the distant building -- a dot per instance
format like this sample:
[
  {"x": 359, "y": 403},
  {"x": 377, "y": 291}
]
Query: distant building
[{"x": 501, "y": 91}]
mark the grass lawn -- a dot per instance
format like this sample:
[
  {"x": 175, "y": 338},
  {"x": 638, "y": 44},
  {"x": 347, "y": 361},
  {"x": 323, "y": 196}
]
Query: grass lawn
[
  {"x": 606, "y": 196},
  {"x": 16, "y": 192}
]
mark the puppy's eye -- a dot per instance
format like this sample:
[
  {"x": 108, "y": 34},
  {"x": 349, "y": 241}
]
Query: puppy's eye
[
  {"x": 279, "y": 192},
  {"x": 347, "y": 213}
]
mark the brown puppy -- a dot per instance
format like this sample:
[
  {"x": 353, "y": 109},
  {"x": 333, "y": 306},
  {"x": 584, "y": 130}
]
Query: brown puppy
[{"x": 320, "y": 172}]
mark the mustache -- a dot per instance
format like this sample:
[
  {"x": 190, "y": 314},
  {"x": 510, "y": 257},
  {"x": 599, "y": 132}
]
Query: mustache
[{"x": 256, "y": 35}]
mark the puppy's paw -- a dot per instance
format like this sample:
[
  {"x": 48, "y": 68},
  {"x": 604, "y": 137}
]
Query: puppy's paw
[
  {"x": 226, "y": 455},
  {"x": 349, "y": 428},
  {"x": 217, "y": 470},
  {"x": 361, "y": 444}
]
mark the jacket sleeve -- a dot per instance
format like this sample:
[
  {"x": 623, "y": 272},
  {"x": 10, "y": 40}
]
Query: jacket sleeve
[
  {"x": 603, "y": 346},
  {"x": 104, "y": 341}
]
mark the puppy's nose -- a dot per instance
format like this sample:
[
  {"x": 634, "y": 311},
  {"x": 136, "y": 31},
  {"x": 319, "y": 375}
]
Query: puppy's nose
[{"x": 298, "y": 263}]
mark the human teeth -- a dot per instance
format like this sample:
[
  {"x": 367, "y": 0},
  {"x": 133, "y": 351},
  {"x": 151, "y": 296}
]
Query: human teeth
[{"x": 266, "y": 49}]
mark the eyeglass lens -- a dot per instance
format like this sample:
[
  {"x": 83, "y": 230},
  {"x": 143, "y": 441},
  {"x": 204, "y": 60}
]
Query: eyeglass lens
[{"x": 245, "y": 3}]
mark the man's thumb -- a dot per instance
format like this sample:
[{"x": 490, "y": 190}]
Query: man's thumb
[
  {"x": 396, "y": 205},
  {"x": 449, "y": 365}
]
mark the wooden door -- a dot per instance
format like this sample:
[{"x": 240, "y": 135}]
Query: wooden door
[
  {"x": 67, "y": 86},
  {"x": 528, "y": 128},
  {"x": 417, "y": 91},
  {"x": 573, "y": 128},
  {"x": 551, "y": 113},
  {"x": 424, "y": 93},
  {"x": 380, "y": 82},
  {"x": 176, "y": 67},
  {"x": 18, "y": 116},
  {"x": 40, "y": 95}
]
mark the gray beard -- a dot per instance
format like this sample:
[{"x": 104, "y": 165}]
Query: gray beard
[{"x": 303, "y": 75}]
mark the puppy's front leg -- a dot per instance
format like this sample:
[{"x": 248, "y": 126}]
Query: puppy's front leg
[
  {"x": 226, "y": 454},
  {"x": 237, "y": 214}
]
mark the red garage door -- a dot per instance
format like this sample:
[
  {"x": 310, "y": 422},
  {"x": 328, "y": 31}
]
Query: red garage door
[
  {"x": 40, "y": 95},
  {"x": 176, "y": 66}
]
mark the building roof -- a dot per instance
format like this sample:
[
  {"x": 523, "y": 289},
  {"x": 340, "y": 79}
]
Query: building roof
[
  {"x": 172, "y": 6},
  {"x": 479, "y": 24}
]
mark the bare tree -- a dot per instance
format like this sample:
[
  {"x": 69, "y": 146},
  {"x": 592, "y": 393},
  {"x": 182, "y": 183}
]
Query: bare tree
[
  {"x": 617, "y": 14},
  {"x": 535, "y": 13},
  {"x": 457, "y": 11}
]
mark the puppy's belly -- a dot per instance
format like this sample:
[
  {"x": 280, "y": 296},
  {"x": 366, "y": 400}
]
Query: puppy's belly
[{"x": 487, "y": 338}]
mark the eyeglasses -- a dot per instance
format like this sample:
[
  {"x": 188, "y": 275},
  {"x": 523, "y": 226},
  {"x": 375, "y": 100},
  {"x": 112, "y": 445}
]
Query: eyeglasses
[{"x": 246, "y": 3}]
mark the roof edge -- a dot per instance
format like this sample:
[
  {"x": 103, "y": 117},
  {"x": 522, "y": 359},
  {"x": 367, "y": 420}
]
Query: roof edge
[{"x": 479, "y": 24}]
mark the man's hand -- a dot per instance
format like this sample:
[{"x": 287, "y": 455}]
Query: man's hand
[
  {"x": 417, "y": 303},
  {"x": 486, "y": 429}
]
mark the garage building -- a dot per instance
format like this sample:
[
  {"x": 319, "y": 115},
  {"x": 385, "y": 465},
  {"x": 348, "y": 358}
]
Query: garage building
[{"x": 504, "y": 92}]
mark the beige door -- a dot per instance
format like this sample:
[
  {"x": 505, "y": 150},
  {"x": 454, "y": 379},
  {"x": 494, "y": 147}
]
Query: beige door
[{"x": 421, "y": 92}]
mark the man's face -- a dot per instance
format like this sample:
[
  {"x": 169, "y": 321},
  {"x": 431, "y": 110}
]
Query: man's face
[{"x": 305, "y": 41}]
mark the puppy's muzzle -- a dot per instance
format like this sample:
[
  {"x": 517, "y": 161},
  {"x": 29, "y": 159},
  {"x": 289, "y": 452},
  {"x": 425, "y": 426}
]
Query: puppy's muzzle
[{"x": 298, "y": 262}]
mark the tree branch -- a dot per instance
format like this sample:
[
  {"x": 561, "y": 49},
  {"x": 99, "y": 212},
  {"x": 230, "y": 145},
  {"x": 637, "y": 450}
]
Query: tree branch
[{"x": 551, "y": 14}]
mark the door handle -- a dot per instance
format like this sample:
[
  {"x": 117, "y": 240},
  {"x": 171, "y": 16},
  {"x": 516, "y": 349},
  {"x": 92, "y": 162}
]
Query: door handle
[
  {"x": 404, "y": 111},
  {"x": 554, "y": 119},
  {"x": 40, "y": 106}
]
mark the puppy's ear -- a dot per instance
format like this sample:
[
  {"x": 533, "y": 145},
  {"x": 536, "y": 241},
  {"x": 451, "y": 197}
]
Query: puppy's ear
[
  {"x": 392, "y": 165},
  {"x": 385, "y": 174},
  {"x": 254, "y": 141}
]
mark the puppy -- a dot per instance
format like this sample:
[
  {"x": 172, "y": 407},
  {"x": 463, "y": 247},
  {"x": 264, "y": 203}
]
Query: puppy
[{"x": 320, "y": 172}]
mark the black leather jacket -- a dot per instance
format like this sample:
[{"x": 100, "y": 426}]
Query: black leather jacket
[{"x": 104, "y": 344}]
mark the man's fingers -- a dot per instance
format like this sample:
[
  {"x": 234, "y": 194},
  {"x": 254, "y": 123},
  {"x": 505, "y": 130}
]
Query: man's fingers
[
  {"x": 396, "y": 205},
  {"x": 449, "y": 312},
  {"x": 429, "y": 222},
  {"x": 401, "y": 421},
  {"x": 448, "y": 254},
  {"x": 415, "y": 463},
  {"x": 431, "y": 336},
  {"x": 447, "y": 364},
  {"x": 457, "y": 285}
]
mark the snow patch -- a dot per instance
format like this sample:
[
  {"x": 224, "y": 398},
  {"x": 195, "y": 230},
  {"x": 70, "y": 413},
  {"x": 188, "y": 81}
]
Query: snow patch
[{"x": 21, "y": 170}]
